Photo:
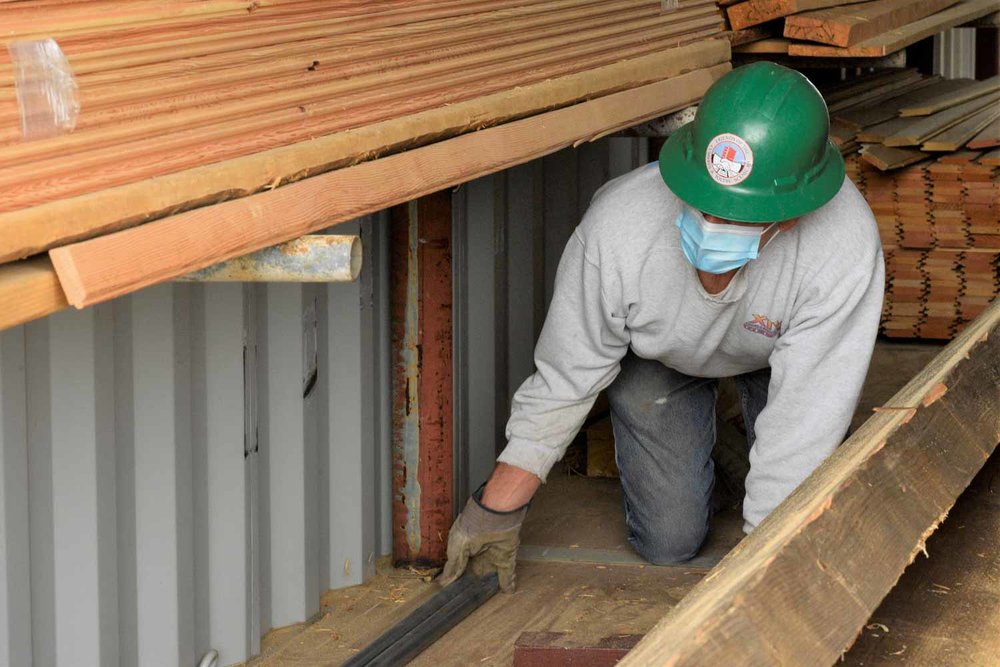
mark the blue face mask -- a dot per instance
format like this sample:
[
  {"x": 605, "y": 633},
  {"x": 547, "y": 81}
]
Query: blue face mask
[{"x": 717, "y": 248}]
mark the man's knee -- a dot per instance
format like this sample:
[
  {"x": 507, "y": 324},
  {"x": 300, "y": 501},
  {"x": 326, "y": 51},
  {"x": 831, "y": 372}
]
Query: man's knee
[{"x": 670, "y": 543}]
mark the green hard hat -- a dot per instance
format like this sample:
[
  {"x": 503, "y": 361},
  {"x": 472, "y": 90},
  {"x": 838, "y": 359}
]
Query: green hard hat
[{"x": 757, "y": 150}]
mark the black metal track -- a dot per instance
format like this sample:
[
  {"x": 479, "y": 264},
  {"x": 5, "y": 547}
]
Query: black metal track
[{"x": 427, "y": 623}]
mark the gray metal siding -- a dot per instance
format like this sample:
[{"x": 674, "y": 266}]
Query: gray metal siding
[{"x": 194, "y": 464}]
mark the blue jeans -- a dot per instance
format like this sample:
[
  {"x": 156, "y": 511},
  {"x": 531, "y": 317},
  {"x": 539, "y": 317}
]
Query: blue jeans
[{"x": 664, "y": 428}]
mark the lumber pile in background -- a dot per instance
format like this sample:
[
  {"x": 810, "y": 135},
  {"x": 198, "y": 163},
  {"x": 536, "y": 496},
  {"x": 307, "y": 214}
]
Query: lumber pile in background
[
  {"x": 846, "y": 28},
  {"x": 924, "y": 152},
  {"x": 191, "y": 103},
  {"x": 940, "y": 228}
]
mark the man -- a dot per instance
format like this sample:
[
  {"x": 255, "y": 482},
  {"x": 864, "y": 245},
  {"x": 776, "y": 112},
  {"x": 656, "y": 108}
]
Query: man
[{"x": 746, "y": 254}]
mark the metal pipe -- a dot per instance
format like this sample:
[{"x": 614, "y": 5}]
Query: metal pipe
[
  {"x": 427, "y": 623},
  {"x": 314, "y": 258}
]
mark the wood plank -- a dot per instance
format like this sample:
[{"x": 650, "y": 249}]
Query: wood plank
[
  {"x": 803, "y": 584},
  {"x": 950, "y": 99},
  {"x": 29, "y": 289},
  {"x": 887, "y": 157},
  {"x": 754, "y": 33},
  {"x": 987, "y": 138},
  {"x": 847, "y": 25},
  {"x": 41, "y": 227},
  {"x": 866, "y": 116},
  {"x": 874, "y": 94},
  {"x": 991, "y": 159},
  {"x": 754, "y": 12},
  {"x": 955, "y": 137},
  {"x": 770, "y": 45},
  {"x": 919, "y": 129},
  {"x": 945, "y": 610},
  {"x": 899, "y": 38},
  {"x": 119, "y": 263}
]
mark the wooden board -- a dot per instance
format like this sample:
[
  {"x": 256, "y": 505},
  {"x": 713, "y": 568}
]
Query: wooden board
[
  {"x": 847, "y": 25},
  {"x": 754, "y": 12},
  {"x": 754, "y": 33},
  {"x": 123, "y": 262},
  {"x": 868, "y": 115},
  {"x": 28, "y": 290},
  {"x": 800, "y": 588},
  {"x": 919, "y": 129},
  {"x": 989, "y": 137},
  {"x": 899, "y": 38},
  {"x": 888, "y": 157},
  {"x": 945, "y": 610},
  {"x": 949, "y": 99},
  {"x": 956, "y": 136},
  {"x": 29, "y": 231},
  {"x": 769, "y": 45}
]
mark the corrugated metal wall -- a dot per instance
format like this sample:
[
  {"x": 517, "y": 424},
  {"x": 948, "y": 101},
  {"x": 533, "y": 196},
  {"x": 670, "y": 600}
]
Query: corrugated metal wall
[{"x": 192, "y": 465}]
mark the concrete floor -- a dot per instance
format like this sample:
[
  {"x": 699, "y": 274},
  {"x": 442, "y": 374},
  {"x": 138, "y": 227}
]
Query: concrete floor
[{"x": 577, "y": 573}]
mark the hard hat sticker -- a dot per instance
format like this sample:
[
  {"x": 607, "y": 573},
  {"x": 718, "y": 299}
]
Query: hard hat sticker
[{"x": 728, "y": 159}]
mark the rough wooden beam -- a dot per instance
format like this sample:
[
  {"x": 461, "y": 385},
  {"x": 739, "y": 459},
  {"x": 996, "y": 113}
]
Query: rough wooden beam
[
  {"x": 28, "y": 290},
  {"x": 106, "y": 267},
  {"x": 799, "y": 589},
  {"x": 899, "y": 38},
  {"x": 848, "y": 25},
  {"x": 754, "y": 12}
]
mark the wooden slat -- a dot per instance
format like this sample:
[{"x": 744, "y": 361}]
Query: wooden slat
[
  {"x": 888, "y": 157},
  {"x": 894, "y": 40},
  {"x": 754, "y": 33},
  {"x": 868, "y": 115},
  {"x": 988, "y": 137},
  {"x": 953, "y": 98},
  {"x": 799, "y": 589},
  {"x": 904, "y": 82},
  {"x": 919, "y": 129},
  {"x": 955, "y": 137},
  {"x": 848, "y": 25},
  {"x": 769, "y": 45},
  {"x": 28, "y": 231},
  {"x": 119, "y": 263},
  {"x": 28, "y": 290},
  {"x": 992, "y": 158},
  {"x": 753, "y": 12}
]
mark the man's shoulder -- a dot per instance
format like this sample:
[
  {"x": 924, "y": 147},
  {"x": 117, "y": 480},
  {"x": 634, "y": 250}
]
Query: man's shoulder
[
  {"x": 631, "y": 210},
  {"x": 845, "y": 222}
]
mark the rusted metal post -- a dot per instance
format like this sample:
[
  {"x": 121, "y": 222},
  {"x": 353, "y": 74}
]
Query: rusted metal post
[
  {"x": 315, "y": 258},
  {"x": 422, "y": 478}
]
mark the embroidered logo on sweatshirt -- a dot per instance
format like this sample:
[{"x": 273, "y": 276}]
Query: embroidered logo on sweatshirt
[{"x": 764, "y": 326}]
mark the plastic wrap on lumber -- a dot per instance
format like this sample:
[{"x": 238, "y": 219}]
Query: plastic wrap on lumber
[
  {"x": 40, "y": 227},
  {"x": 109, "y": 266}
]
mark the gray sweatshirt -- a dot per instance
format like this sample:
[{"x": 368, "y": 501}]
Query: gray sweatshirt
[{"x": 808, "y": 307}]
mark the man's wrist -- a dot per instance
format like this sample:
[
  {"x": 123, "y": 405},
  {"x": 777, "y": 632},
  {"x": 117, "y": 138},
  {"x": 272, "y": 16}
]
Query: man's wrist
[{"x": 509, "y": 489}]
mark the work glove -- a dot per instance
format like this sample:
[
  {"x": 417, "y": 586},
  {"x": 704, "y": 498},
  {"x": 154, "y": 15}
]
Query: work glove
[{"x": 488, "y": 539}]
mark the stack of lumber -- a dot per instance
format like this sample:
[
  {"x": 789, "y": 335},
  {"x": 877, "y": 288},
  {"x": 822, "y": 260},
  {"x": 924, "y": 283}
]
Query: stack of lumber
[
  {"x": 845, "y": 28},
  {"x": 924, "y": 152},
  {"x": 940, "y": 228},
  {"x": 191, "y": 103},
  {"x": 928, "y": 118}
]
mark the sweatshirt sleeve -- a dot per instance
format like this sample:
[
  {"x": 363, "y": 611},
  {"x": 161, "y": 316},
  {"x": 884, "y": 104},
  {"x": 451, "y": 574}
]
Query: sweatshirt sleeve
[
  {"x": 578, "y": 354},
  {"x": 818, "y": 367}
]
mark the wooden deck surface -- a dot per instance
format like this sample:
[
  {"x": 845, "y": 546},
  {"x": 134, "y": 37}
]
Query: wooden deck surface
[{"x": 577, "y": 572}]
